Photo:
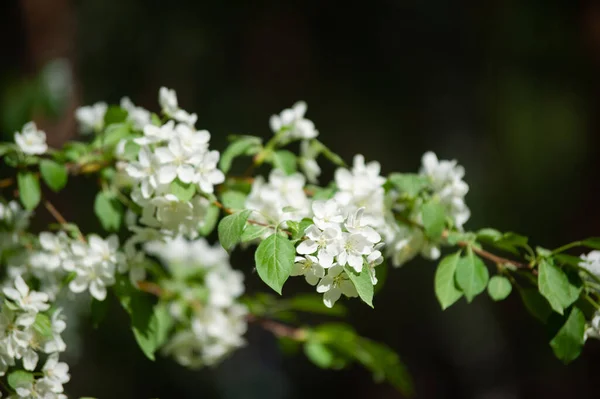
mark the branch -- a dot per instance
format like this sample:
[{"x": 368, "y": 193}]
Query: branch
[
  {"x": 279, "y": 329},
  {"x": 60, "y": 218}
]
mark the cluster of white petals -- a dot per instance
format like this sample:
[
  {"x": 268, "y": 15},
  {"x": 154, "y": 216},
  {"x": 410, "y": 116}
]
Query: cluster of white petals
[
  {"x": 336, "y": 241},
  {"x": 210, "y": 321},
  {"x": 446, "y": 179},
  {"x": 172, "y": 154},
  {"x": 137, "y": 116},
  {"x": 91, "y": 117},
  {"x": 292, "y": 124},
  {"x": 167, "y": 99},
  {"x": 279, "y": 199},
  {"x": 25, "y": 332},
  {"x": 31, "y": 140}
]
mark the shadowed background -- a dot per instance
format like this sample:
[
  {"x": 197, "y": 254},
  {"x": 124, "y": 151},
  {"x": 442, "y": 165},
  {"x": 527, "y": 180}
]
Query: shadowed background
[{"x": 508, "y": 89}]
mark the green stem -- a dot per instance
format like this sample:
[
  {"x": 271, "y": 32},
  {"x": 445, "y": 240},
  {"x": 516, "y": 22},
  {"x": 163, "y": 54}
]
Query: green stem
[{"x": 567, "y": 246}]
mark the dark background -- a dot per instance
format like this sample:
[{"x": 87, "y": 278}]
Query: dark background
[{"x": 509, "y": 88}]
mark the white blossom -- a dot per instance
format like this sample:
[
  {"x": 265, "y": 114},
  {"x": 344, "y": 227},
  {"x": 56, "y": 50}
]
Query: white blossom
[
  {"x": 591, "y": 262},
  {"x": 293, "y": 123},
  {"x": 138, "y": 116},
  {"x": 309, "y": 267},
  {"x": 167, "y": 99},
  {"x": 91, "y": 117},
  {"x": 334, "y": 284},
  {"x": 29, "y": 301},
  {"x": 31, "y": 140}
]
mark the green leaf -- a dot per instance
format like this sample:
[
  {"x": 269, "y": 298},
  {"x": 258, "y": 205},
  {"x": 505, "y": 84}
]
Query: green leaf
[
  {"x": 488, "y": 234},
  {"x": 234, "y": 200},
  {"x": 536, "y": 304},
  {"x": 165, "y": 323},
  {"x": 183, "y": 191},
  {"x": 499, "y": 287},
  {"x": 231, "y": 228},
  {"x": 410, "y": 184},
  {"x": 274, "y": 259},
  {"x": 114, "y": 114},
  {"x": 19, "y": 378},
  {"x": 555, "y": 287},
  {"x": 113, "y": 135},
  {"x": 29, "y": 189},
  {"x": 322, "y": 193},
  {"x": 471, "y": 275},
  {"x": 592, "y": 242},
  {"x": 446, "y": 290},
  {"x": 252, "y": 232},
  {"x": 319, "y": 354},
  {"x": 312, "y": 303},
  {"x": 54, "y": 174},
  {"x": 109, "y": 211},
  {"x": 285, "y": 160},
  {"x": 362, "y": 283},
  {"x": 43, "y": 326},
  {"x": 210, "y": 220},
  {"x": 245, "y": 145},
  {"x": 434, "y": 219},
  {"x": 569, "y": 340},
  {"x": 298, "y": 228},
  {"x": 99, "y": 309},
  {"x": 144, "y": 321}
]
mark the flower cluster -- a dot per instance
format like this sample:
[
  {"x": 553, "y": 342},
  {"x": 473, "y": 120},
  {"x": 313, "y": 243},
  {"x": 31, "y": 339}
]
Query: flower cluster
[
  {"x": 31, "y": 140},
  {"x": 91, "y": 117},
  {"x": 203, "y": 293},
  {"x": 292, "y": 123},
  {"x": 25, "y": 332},
  {"x": 335, "y": 245},
  {"x": 279, "y": 199},
  {"x": 172, "y": 159},
  {"x": 446, "y": 179}
]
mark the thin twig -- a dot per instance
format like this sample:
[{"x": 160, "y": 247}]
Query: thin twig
[
  {"x": 279, "y": 329},
  {"x": 60, "y": 218}
]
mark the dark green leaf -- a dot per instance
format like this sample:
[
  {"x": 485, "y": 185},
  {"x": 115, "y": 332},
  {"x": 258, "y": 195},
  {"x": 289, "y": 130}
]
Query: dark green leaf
[
  {"x": 568, "y": 342},
  {"x": 592, "y": 242},
  {"x": 536, "y": 304},
  {"x": 29, "y": 189},
  {"x": 446, "y": 290},
  {"x": 114, "y": 114},
  {"x": 54, "y": 174},
  {"x": 313, "y": 303},
  {"x": 231, "y": 228},
  {"x": 274, "y": 259}
]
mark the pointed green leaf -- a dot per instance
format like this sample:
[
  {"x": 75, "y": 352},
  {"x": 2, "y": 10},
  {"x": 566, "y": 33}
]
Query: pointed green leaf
[
  {"x": 245, "y": 145},
  {"x": 446, "y": 290},
  {"x": 231, "y": 228},
  {"x": 362, "y": 283},
  {"x": 252, "y": 232},
  {"x": 471, "y": 275},
  {"x": 210, "y": 221},
  {"x": 29, "y": 189},
  {"x": 54, "y": 174},
  {"x": 555, "y": 287},
  {"x": 536, "y": 304},
  {"x": 274, "y": 259},
  {"x": 109, "y": 211},
  {"x": 569, "y": 340},
  {"x": 285, "y": 160}
]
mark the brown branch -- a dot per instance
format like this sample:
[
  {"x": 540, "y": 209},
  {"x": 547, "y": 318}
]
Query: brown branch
[
  {"x": 60, "y": 218},
  {"x": 279, "y": 329}
]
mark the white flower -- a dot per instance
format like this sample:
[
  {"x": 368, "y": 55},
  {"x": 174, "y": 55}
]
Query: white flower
[
  {"x": 138, "y": 116},
  {"x": 56, "y": 373},
  {"x": 97, "y": 266},
  {"x": 327, "y": 244},
  {"x": 374, "y": 259},
  {"x": 593, "y": 330},
  {"x": 29, "y": 301},
  {"x": 176, "y": 157},
  {"x": 308, "y": 162},
  {"x": 207, "y": 174},
  {"x": 91, "y": 117},
  {"x": 167, "y": 99},
  {"x": 591, "y": 262},
  {"x": 150, "y": 173},
  {"x": 294, "y": 123},
  {"x": 334, "y": 285},
  {"x": 58, "y": 325},
  {"x": 353, "y": 247},
  {"x": 55, "y": 246},
  {"x": 446, "y": 180},
  {"x": 31, "y": 140},
  {"x": 224, "y": 286},
  {"x": 327, "y": 214},
  {"x": 309, "y": 268}
]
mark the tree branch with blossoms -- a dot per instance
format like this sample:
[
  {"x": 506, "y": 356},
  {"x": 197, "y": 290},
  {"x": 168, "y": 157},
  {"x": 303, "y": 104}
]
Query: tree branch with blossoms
[{"x": 163, "y": 190}]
